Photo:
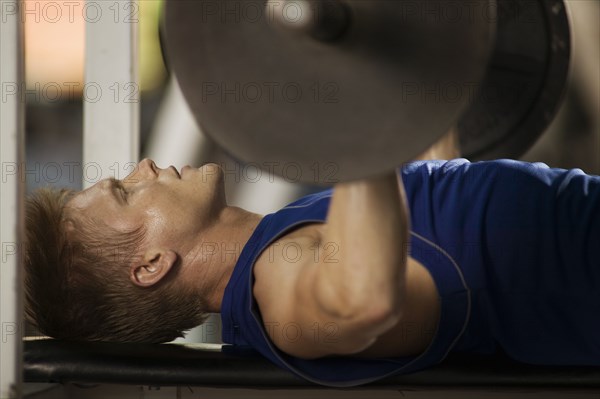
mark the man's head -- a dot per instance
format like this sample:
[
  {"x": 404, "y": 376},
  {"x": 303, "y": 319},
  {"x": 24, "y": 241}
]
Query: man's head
[{"x": 108, "y": 263}]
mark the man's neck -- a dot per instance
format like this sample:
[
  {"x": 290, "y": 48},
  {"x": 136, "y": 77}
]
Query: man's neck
[{"x": 216, "y": 253}]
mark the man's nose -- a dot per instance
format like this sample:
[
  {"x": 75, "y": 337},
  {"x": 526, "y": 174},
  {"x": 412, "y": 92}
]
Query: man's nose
[
  {"x": 147, "y": 165},
  {"x": 145, "y": 169}
]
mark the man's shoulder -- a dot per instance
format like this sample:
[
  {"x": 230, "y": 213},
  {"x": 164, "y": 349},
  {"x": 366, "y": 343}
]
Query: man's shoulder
[
  {"x": 284, "y": 270},
  {"x": 277, "y": 268}
]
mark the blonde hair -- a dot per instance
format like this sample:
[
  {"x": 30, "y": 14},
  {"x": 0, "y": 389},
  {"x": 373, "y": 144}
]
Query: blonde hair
[{"x": 77, "y": 280}]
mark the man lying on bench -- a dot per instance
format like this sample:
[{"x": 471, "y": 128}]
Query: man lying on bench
[{"x": 375, "y": 277}]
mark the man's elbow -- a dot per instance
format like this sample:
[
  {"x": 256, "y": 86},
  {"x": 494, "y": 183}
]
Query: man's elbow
[
  {"x": 368, "y": 308},
  {"x": 371, "y": 320},
  {"x": 380, "y": 315},
  {"x": 367, "y": 325},
  {"x": 359, "y": 301}
]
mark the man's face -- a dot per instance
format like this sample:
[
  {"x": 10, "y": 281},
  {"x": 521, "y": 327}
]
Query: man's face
[{"x": 172, "y": 207}]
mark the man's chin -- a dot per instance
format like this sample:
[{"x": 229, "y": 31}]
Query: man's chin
[{"x": 211, "y": 171}]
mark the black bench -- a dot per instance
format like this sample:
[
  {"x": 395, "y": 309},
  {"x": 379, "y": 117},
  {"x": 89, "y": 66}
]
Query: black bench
[{"x": 179, "y": 365}]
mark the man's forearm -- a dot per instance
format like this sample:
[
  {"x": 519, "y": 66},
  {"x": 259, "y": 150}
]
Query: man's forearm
[{"x": 368, "y": 221}]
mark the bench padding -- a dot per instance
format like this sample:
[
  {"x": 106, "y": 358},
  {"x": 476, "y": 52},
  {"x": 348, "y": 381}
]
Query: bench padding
[{"x": 172, "y": 365}]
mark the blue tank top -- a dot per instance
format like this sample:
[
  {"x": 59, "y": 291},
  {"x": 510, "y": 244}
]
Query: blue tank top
[{"x": 514, "y": 251}]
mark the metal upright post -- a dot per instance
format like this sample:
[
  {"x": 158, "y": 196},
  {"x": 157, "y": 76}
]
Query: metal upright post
[
  {"x": 11, "y": 198},
  {"x": 111, "y": 91}
]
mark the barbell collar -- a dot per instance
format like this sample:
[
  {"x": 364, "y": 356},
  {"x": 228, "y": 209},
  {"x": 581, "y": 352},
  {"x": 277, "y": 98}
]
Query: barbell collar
[{"x": 324, "y": 20}]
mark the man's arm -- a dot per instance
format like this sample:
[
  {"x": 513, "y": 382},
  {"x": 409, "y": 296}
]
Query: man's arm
[
  {"x": 368, "y": 223},
  {"x": 340, "y": 302}
]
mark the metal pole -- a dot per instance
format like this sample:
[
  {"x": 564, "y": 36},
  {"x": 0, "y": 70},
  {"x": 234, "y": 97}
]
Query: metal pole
[
  {"x": 111, "y": 92},
  {"x": 11, "y": 198}
]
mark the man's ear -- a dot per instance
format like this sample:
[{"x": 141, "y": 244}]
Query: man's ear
[{"x": 155, "y": 264}]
